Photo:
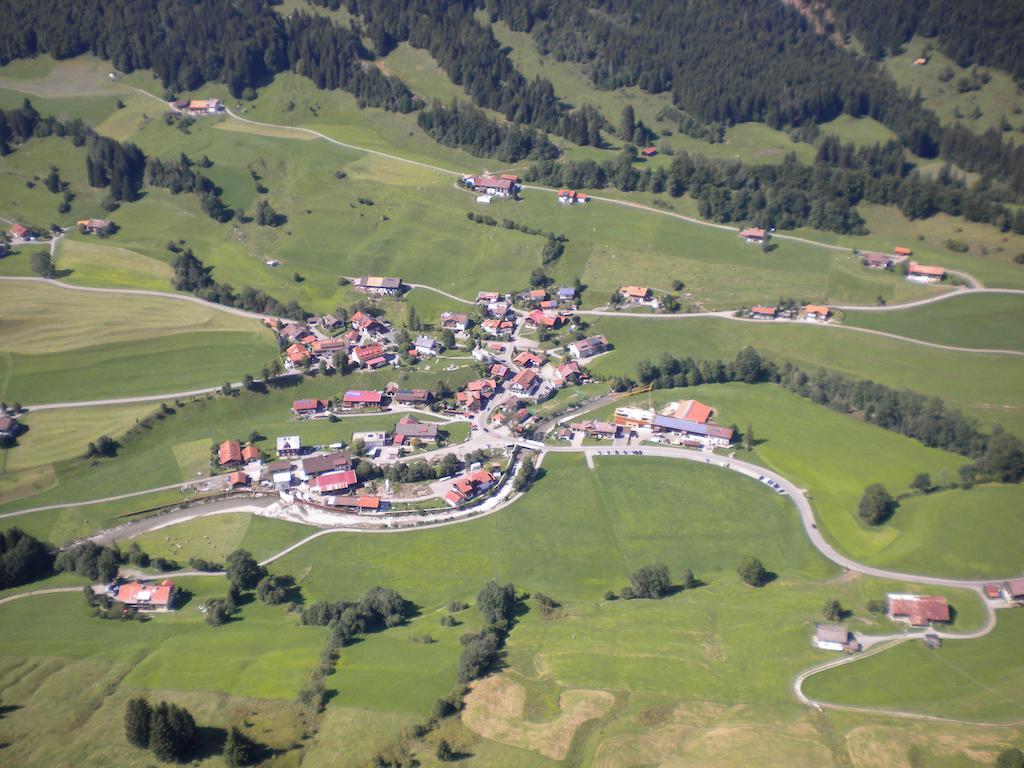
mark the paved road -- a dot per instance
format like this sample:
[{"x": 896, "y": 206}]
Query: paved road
[
  {"x": 91, "y": 502},
  {"x": 33, "y": 593},
  {"x": 922, "y": 302}
]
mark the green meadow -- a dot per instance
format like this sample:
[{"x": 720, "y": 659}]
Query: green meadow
[
  {"x": 105, "y": 347},
  {"x": 979, "y": 680},
  {"x": 986, "y": 321},
  {"x": 981, "y": 385}
]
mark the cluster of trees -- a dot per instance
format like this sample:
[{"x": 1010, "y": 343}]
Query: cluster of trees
[
  {"x": 23, "y": 558},
  {"x": 497, "y": 604},
  {"x": 752, "y": 572},
  {"x": 791, "y": 194},
  {"x": 379, "y": 608},
  {"x": 192, "y": 276},
  {"x": 876, "y": 505},
  {"x": 653, "y": 582},
  {"x": 177, "y": 176},
  {"x": 166, "y": 729},
  {"x": 524, "y": 476},
  {"x": 463, "y": 125},
  {"x": 669, "y": 371}
]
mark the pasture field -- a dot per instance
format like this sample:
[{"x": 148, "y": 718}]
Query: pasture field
[
  {"x": 176, "y": 447},
  {"x": 834, "y": 457},
  {"x": 994, "y": 100},
  {"x": 991, "y": 321},
  {"x": 979, "y": 680},
  {"x": 105, "y": 347},
  {"x": 94, "y": 262},
  {"x": 983, "y": 386}
]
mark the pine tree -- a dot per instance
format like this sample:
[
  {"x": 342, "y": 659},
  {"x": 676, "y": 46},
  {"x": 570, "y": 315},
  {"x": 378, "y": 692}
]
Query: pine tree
[
  {"x": 161, "y": 735},
  {"x": 627, "y": 125},
  {"x": 239, "y": 749},
  {"x": 136, "y": 722}
]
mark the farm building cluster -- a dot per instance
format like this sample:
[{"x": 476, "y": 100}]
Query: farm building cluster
[{"x": 688, "y": 423}]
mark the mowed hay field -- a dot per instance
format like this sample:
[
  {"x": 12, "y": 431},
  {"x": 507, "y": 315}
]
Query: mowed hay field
[
  {"x": 976, "y": 680},
  {"x": 987, "y": 321},
  {"x": 60, "y": 345}
]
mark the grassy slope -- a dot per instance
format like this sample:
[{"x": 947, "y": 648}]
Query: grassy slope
[
  {"x": 105, "y": 347},
  {"x": 986, "y": 321},
  {"x": 976, "y": 680},
  {"x": 984, "y": 386}
]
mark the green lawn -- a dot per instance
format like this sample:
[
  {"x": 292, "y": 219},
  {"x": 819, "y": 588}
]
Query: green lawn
[
  {"x": 977, "y": 680},
  {"x": 988, "y": 321},
  {"x": 983, "y": 386},
  {"x": 58, "y": 345}
]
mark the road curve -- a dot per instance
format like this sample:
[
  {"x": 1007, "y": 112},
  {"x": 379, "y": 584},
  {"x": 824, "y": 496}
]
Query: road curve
[
  {"x": 35, "y": 592},
  {"x": 91, "y": 502}
]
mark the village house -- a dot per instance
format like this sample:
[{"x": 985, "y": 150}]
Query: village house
[
  {"x": 410, "y": 428},
  {"x": 362, "y": 399},
  {"x": 360, "y": 503},
  {"x": 569, "y": 197},
  {"x": 454, "y": 321},
  {"x": 289, "y": 446},
  {"x": 500, "y": 371},
  {"x": 297, "y": 355},
  {"x": 919, "y": 273},
  {"x": 293, "y": 331},
  {"x": 147, "y": 597},
  {"x": 198, "y": 107},
  {"x": 832, "y": 637},
  {"x": 496, "y": 327},
  {"x": 331, "y": 322},
  {"x": 566, "y": 295},
  {"x": 568, "y": 373},
  {"x": 528, "y": 359},
  {"x": 368, "y": 355},
  {"x": 469, "y": 486},
  {"x": 487, "y": 297},
  {"x": 710, "y": 435},
  {"x": 309, "y": 407},
  {"x": 250, "y": 453},
  {"x": 763, "y": 313},
  {"x": 754, "y": 235},
  {"x": 92, "y": 226},
  {"x": 525, "y": 382},
  {"x": 21, "y": 232},
  {"x": 1012, "y": 591},
  {"x": 498, "y": 309},
  {"x": 229, "y": 453},
  {"x": 539, "y": 319},
  {"x": 313, "y": 466},
  {"x": 634, "y": 418},
  {"x": 426, "y": 346},
  {"x": 918, "y": 610},
  {"x": 589, "y": 347},
  {"x": 635, "y": 294},
  {"x": 649, "y": 151},
  {"x": 691, "y": 410},
  {"x": 332, "y": 482},
  {"x": 371, "y": 440},
  {"x": 411, "y": 397},
  {"x": 390, "y": 286},
  {"x": 900, "y": 250},
  {"x": 8, "y": 426},
  {"x": 506, "y": 185},
  {"x": 238, "y": 480},
  {"x": 330, "y": 346},
  {"x": 876, "y": 260},
  {"x": 601, "y": 430},
  {"x": 817, "y": 312},
  {"x": 279, "y": 473}
]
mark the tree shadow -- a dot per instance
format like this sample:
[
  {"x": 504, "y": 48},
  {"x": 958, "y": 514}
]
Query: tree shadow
[
  {"x": 209, "y": 742},
  {"x": 182, "y": 598},
  {"x": 286, "y": 381},
  {"x": 61, "y": 273},
  {"x": 769, "y": 577},
  {"x": 952, "y": 615},
  {"x": 6, "y": 709}
]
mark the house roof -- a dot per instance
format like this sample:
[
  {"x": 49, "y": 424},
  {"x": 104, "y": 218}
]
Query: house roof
[
  {"x": 367, "y": 351},
  {"x": 92, "y": 223},
  {"x": 921, "y": 269},
  {"x": 528, "y": 358},
  {"x": 920, "y": 609},
  {"x": 290, "y": 443},
  {"x": 648, "y": 151},
  {"x": 694, "y": 410},
  {"x": 372, "y": 281},
  {"x": 817, "y": 309},
  {"x": 493, "y": 182},
  {"x": 1015, "y": 587},
  {"x": 764, "y": 311},
  {"x": 363, "y": 396},
  {"x": 334, "y": 481},
  {"x": 411, "y": 395},
  {"x": 7, "y": 423},
  {"x": 454, "y": 317},
  {"x": 832, "y": 633},
  {"x": 19, "y": 230},
  {"x": 318, "y": 465},
  {"x": 410, "y": 427},
  {"x": 753, "y": 232},
  {"x": 297, "y": 352},
  {"x": 368, "y": 502},
  {"x": 137, "y": 593},
  {"x": 566, "y": 293},
  {"x": 900, "y": 250},
  {"x": 309, "y": 404},
  {"x": 238, "y": 478},
  {"x": 524, "y": 379},
  {"x": 635, "y": 291},
  {"x": 250, "y": 452},
  {"x": 230, "y": 451},
  {"x": 330, "y": 345}
]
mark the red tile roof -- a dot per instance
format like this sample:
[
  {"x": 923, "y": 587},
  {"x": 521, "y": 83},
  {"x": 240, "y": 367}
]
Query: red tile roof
[
  {"x": 900, "y": 250},
  {"x": 336, "y": 481},
  {"x": 250, "y": 453},
  {"x": 363, "y": 396},
  {"x": 238, "y": 478},
  {"x": 921, "y": 269},
  {"x": 229, "y": 452},
  {"x": 309, "y": 405},
  {"x": 920, "y": 609},
  {"x": 136, "y": 593}
]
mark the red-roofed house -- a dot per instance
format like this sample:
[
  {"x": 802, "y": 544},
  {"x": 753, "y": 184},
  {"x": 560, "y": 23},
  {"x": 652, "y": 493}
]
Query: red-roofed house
[
  {"x": 693, "y": 410},
  {"x": 649, "y": 151},
  {"x": 568, "y": 196},
  {"x": 500, "y": 371},
  {"x": 238, "y": 479},
  {"x": 229, "y": 452},
  {"x": 539, "y": 319},
  {"x": 527, "y": 359},
  {"x": 309, "y": 407},
  {"x": 325, "y": 346},
  {"x": 454, "y": 321},
  {"x": 364, "y": 354},
  {"x": 763, "y": 313},
  {"x": 336, "y": 481},
  {"x": 297, "y": 354},
  {"x": 817, "y": 312},
  {"x": 918, "y": 610},
  {"x": 920, "y": 273},
  {"x": 754, "y": 235},
  {"x": 250, "y": 453},
  {"x": 900, "y": 250},
  {"x": 21, "y": 232},
  {"x": 568, "y": 372},
  {"x": 147, "y": 597},
  {"x": 362, "y": 398},
  {"x": 498, "y": 327},
  {"x": 525, "y": 382},
  {"x": 635, "y": 293},
  {"x": 468, "y": 486}
]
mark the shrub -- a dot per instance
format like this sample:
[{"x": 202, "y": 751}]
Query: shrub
[
  {"x": 752, "y": 572},
  {"x": 877, "y": 505}
]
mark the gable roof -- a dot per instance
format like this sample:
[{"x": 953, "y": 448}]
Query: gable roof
[
  {"x": 363, "y": 396},
  {"x": 334, "y": 481},
  {"x": 230, "y": 451}
]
